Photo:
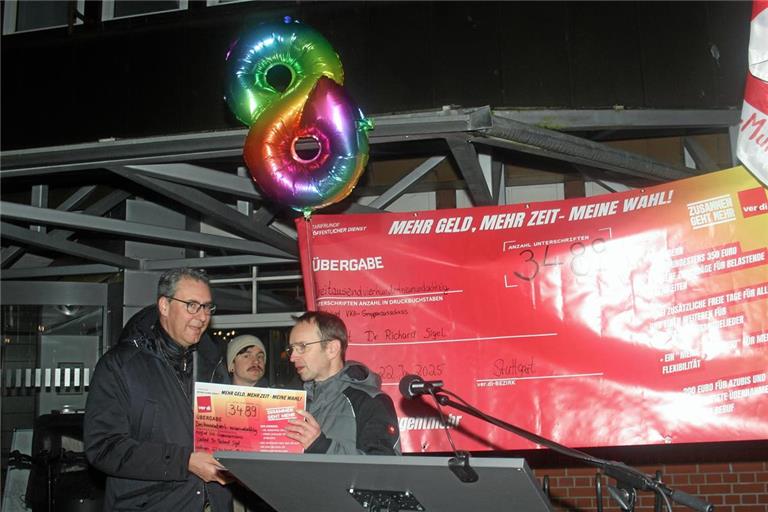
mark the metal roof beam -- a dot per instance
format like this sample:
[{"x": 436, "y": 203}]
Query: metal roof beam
[
  {"x": 196, "y": 176},
  {"x": 700, "y": 156},
  {"x": 622, "y": 119},
  {"x": 498, "y": 182},
  {"x": 389, "y": 128},
  {"x": 96, "y": 154},
  {"x": 421, "y": 123},
  {"x": 100, "y": 207},
  {"x": 43, "y": 241},
  {"x": 469, "y": 166},
  {"x": 361, "y": 208},
  {"x": 60, "y": 271},
  {"x": 225, "y": 143},
  {"x": 54, "y": 168},
  {"x": 9, "y": 255},
  {"x": 406, "y": 181},
  {"x": 76, "y": 198},
  {"x": 215, "y": 261},
  {"x": 135, "y": 230},
  {"x": 536, "y": 140},
  {"x": 533, "y": 150},
  {"x": 192, "y": 198}
]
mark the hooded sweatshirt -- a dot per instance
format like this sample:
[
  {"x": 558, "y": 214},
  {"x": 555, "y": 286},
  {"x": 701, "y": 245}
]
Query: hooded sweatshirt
[{"x": 355, "y": 416}]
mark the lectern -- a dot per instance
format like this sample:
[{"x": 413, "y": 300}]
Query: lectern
[{"x": 376, "y": 483}]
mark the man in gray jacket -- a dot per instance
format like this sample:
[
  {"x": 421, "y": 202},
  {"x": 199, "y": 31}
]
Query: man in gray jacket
[{"x": 347, "y": 413}]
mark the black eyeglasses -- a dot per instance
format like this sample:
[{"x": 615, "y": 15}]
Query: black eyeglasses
[
  {"x": 301, "y": 346},
  {"x": 193, "y": 306}
]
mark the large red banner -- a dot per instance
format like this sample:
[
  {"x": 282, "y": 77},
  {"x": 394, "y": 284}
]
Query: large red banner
[{"x": 630, "y": 318}]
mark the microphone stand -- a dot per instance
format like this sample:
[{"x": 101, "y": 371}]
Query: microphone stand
[{"x": 629, "y": 480}]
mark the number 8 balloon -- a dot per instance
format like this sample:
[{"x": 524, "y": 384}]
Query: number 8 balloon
[{"x": 314, "y": 106}]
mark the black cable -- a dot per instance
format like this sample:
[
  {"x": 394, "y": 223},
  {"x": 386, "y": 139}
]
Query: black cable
[
  {"x": 444, "y": 421},
  {"x": 666, "y": 499}
]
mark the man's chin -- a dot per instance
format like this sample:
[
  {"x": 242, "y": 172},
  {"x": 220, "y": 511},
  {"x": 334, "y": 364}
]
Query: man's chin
[
  {"x": 189, "y": 342},
  {"x": 194, "y": 338}
]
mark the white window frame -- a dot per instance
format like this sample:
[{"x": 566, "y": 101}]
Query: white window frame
[
  {"x": 10, "y": 11},
  {"x": 108, "y": 10}
]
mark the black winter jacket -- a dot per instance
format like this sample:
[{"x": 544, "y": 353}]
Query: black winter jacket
[{"x": 138, "y": 426}]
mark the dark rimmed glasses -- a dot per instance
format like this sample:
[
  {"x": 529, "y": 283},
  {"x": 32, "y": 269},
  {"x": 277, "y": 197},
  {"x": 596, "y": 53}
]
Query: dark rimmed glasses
[
  {"x": 193, "y": 307},
  {"x": 301, "y": 346}
]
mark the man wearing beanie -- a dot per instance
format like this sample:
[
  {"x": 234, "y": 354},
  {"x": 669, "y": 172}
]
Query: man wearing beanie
[{"x": 246, "y": 361}]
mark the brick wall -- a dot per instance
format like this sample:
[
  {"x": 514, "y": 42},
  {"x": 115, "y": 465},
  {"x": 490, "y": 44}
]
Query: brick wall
[{"x": 730, "y": 486}]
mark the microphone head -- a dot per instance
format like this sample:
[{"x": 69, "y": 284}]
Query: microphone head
[{"x": 405, "y": 386}]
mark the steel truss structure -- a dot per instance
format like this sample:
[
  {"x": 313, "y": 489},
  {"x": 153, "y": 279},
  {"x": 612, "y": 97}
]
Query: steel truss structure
[{"x": 201, "y": 175}]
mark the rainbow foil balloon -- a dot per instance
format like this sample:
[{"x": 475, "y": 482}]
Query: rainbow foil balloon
[{"x": 314, "y": 107}]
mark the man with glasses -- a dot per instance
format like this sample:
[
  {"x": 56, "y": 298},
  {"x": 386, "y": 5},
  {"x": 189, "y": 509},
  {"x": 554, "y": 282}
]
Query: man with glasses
[
  {"x": 138, "y": 426},
  {"x": 246, "y": 361},
  {"x": 347, "y": 413}
]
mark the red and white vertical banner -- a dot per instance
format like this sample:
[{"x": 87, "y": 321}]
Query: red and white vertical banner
[{"x": 753, "y": 136}]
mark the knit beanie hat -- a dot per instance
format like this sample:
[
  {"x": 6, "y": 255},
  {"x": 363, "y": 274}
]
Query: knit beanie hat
[{"x": 239, "y": 343}]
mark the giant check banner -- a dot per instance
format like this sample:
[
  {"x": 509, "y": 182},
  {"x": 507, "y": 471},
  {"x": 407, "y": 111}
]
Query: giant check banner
[{"x": 630, "y": 318}]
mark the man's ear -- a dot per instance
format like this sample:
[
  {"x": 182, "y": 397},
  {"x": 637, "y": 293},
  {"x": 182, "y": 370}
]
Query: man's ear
[
  {"x": 334, "y": 348},
  {"x": 162, "y": 306}
]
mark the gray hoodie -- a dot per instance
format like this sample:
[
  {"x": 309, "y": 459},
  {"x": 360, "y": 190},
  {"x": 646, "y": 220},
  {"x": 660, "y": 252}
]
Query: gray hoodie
[{"x": 355, "y": 416}]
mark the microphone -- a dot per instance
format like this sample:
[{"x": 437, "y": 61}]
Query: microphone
[{"x": 413, "y": 385}]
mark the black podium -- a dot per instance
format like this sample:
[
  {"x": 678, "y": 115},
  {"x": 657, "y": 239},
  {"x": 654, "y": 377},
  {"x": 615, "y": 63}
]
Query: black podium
[{"x": 373, "y": 483}]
